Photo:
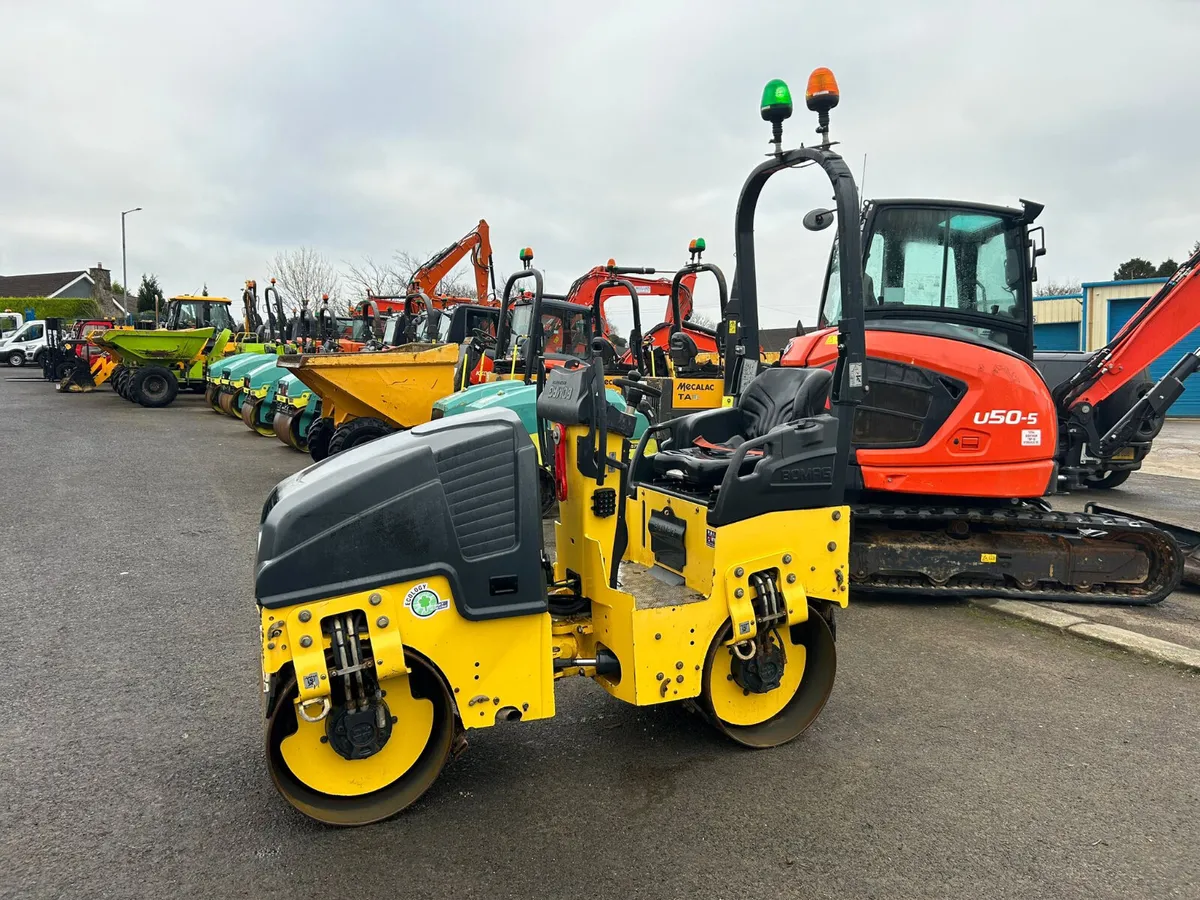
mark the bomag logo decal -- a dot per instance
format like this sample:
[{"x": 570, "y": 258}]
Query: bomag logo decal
[
  {"x": 808, "y": 474},
  {"x": 697, "y": 393}
]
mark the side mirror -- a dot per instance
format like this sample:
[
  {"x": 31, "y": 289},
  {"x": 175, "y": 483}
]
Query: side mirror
[
  {"x": 1037, "y": 247},
  {"x": 818, "y": 219}
]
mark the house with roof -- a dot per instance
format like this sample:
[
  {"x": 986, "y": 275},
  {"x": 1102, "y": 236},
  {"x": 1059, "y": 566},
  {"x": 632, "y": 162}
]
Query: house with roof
[{"x": 94, "y": 283}]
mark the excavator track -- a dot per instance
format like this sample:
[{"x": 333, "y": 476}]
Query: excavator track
[{"x": 1014, "y": 552}]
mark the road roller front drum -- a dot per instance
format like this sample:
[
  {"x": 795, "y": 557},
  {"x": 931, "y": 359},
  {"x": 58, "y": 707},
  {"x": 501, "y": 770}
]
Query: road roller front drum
[{"x": 369, "y": 748}]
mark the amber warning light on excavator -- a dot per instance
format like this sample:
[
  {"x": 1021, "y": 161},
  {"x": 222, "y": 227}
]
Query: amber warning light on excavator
[{"x": 821, "y": 96}]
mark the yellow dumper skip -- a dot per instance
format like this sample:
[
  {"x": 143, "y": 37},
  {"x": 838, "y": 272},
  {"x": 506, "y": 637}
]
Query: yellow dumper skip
[{"x": 399, "y": 386}]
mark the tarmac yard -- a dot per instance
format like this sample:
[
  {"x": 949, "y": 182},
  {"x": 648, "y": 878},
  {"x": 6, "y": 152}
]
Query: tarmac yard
[{"x": 962, "y": 753}]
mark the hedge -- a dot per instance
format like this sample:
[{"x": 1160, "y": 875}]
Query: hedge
[{"x": 53, "y": 307}]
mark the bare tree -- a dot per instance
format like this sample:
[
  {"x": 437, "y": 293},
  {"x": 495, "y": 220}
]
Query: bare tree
[
  {"x": 1059, "y": 288},
  {"x": 375, "y": 278},
  {"x": 303, "y": 276}
]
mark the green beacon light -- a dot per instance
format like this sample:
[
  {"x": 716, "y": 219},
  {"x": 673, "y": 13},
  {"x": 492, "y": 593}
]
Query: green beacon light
[
  {"x": 776, "y": 106},
  {"x": 526, "y": 255},
  {"x": 695, "y": 248}
]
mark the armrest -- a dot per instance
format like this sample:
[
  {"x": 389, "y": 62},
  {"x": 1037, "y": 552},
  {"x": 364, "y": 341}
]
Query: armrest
[
  {"x": 715, "y": 425},
  {"x": 798, "y": 470}
]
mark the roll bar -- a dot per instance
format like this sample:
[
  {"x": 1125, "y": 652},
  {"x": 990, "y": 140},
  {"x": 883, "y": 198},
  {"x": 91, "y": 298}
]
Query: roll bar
[{"x": 635, "y": 346}]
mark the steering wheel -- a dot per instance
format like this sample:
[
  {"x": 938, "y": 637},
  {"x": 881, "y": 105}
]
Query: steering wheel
[
  {"x": 484, "y": 339},
  {"x": 636, "y": 385}
]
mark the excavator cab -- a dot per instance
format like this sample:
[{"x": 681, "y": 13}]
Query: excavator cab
[
  {"x": 945, "y": 268},
  {"x": 965, "y": 271}
]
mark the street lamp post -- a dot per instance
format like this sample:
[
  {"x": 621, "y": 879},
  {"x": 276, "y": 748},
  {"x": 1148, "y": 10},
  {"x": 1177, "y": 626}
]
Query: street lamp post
[{"x": 125, "y": 267}]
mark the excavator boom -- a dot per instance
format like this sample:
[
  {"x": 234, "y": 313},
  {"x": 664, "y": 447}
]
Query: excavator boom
[
  {"x": 1173, "y": 311},
  {"x": 477, "y": 243}
]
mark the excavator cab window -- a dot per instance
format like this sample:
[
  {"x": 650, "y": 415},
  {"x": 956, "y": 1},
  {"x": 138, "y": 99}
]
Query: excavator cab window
[
  {"x": 351, "y": 329},
  {"x": 443, "y": 323},
  {"x": 566, "y": 328},
  {"x": 483, "y": 320},
  {"x": 940, "y": 270}
]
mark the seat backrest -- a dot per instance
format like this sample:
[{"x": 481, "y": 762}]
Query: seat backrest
[
  {"x": 683, "y": 349},
  {"x": 608, "y": 354},
  {"x": 778, "y": 396}
]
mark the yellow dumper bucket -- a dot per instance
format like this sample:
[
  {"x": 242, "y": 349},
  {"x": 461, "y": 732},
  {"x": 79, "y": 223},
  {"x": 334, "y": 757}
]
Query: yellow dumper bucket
[{"x": 398, "y": 386}]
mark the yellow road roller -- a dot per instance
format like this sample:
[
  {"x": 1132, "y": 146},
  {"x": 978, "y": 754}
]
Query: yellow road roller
[{"x": 407, "y": 597}]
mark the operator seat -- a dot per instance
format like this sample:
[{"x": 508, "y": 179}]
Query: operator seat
[
  {"x": 702, "y": 446},
  {"x": 608, "y": 357},
  {"x": 683, "y": 350}
]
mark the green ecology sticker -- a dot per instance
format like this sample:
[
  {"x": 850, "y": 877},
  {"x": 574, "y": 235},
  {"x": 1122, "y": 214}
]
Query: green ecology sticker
[{"x": 423, "y": 601}]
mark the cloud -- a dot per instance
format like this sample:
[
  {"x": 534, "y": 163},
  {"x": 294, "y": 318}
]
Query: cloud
[{"x": 587, "y": 132}]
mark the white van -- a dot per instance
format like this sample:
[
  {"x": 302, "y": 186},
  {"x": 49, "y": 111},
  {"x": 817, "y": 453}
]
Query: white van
[
  {"x": 9, "y": 323},
  {"x": 25, "y": 345}
]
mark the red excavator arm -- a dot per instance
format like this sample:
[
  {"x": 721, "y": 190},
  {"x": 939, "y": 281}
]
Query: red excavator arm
[
  {"x": 1163, "y": 319},
  {"x": 477, "y": 243},
  {"x": 585, "y": 286},
  {"x": 1156, "y": 327}
]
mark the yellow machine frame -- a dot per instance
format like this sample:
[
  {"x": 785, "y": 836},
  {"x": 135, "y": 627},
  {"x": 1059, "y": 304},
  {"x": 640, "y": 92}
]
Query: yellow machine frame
[{"x": 664, "y": 647}]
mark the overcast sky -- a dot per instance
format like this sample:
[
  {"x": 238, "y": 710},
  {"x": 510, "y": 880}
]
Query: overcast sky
[{"x": 587, "y": 131}]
